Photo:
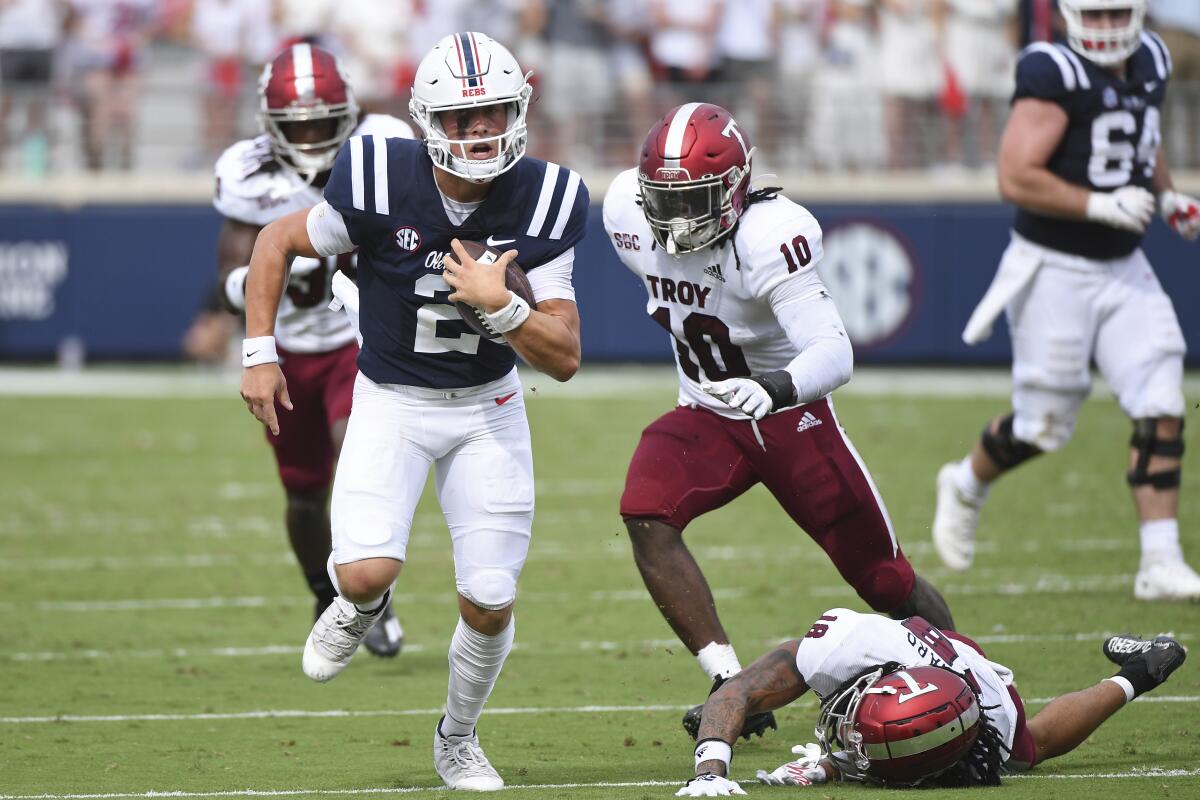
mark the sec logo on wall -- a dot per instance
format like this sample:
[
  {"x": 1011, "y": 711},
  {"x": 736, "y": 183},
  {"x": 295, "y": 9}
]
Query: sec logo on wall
[{"x": 874, "y": 279}]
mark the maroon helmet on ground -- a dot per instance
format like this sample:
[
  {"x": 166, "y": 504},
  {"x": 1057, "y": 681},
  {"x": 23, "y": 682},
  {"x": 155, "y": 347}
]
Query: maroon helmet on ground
[
  {"x": 307, "y": 107},
  {"x": 694, "y": 175},
  {"x": 902, "y": 725}
]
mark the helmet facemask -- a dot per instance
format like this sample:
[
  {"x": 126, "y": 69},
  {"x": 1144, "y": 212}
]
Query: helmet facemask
[
  {"x": 447, "y": 152},
  {"x": 835, "y": 727},
  {"x": 309, "y": 158},
  {"x": 690, "y": 215},
  {"x": 1102, "y": 45}
]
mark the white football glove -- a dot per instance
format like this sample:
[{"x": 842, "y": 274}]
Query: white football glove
[
  {"x": 804, "y": 771},
  {"x": 710, "y": 786},
  {"x": 1128, "y": 208},
  {"x": 1181, "y": 212},
  {"x": 743, "y": 394}
]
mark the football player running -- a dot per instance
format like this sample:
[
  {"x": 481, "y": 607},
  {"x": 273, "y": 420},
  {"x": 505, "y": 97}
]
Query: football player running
[
  {"x": 306, "y": 110},
  {"x": 731, "y": 276},
  {"x": 1081, "y": 158},
  {"x": 904, "y": 704},
  {"x": 430, "y": 393}
]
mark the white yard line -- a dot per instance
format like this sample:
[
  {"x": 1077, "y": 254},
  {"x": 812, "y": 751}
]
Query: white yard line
[
  {"x": 1153, "y": 773},
  {"x": 592, "y": 381},
  {"x": 433, "y": 712},
  {"x": 534, "y": 648}
]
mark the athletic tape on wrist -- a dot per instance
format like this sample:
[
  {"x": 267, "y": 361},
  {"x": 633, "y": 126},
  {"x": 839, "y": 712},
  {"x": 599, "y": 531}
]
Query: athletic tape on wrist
[
  {"x": 714, "y": 750},
  {"x": 509, "y": 318},
  {"x": 259, "y": 350}
]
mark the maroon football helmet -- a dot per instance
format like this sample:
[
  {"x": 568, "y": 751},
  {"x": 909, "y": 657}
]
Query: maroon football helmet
[
  {"x": 694, "y": 175},
  {"x": 307, "y": 108},
  {"x": 902, "y": 726}
]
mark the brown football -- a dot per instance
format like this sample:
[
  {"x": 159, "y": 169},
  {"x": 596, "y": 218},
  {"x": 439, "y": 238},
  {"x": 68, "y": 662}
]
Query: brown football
[{"x": 514, "y": 279}]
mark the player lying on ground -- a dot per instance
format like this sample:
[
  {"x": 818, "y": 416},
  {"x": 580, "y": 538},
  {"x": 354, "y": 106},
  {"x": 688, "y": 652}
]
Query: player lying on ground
[{"x": 903, "y": 703}]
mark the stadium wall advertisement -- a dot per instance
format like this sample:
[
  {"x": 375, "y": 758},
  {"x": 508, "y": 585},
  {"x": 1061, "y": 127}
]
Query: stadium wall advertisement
[{"x": 122, "y": 282}]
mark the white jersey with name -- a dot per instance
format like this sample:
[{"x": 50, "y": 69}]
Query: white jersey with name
[
  {"x": 254, "y": 188},
  {"x": 843, "y": 644},
  {"x": 719, "y": 303}
]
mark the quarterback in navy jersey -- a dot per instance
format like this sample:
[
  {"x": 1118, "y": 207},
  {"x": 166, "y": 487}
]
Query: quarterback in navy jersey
[
  {"x": 1082, "y": 161},
  {"x": 430, "y": 392}
]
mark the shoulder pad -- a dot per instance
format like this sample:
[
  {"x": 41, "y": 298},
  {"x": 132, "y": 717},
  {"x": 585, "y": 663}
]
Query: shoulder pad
[
  {"x": 243, "y": 159},
  {"x": 559, "y": 210},
  {"x": 1152, "y": 58},
  {"x": 1049, "y": 71},
  {"x": 620, "y": 198},
  {"x": 360, "y": 182}
]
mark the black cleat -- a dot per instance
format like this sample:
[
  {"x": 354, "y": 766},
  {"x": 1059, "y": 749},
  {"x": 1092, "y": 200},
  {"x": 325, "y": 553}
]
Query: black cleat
[
  {"x": 1158, "y": 657},
  {"x": 755, "y": 724},
  {"x": 386, "y": 637}
]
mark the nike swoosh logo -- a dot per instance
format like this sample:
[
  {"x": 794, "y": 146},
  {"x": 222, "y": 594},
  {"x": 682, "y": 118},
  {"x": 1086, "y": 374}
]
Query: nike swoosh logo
[
  {"x": 502, "y": 400},
  {"x": 492, "y": 241},
  {"x": 252, "y": 353}
]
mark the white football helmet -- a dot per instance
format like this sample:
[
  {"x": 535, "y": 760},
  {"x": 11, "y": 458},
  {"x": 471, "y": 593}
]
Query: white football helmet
[
  {"x": 466, "y": 70},
  {"x": 1104, "y": 46}
]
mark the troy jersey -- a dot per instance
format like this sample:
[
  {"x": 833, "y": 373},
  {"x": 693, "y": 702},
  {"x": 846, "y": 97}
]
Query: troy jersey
[
  {"x": 385, "y": 191},
  {"x": 254, "y": 188},
  {"x": 716, "y": 303},
  {"x": 1112, "y": 136},
  {"x": 843, "y": 644}
]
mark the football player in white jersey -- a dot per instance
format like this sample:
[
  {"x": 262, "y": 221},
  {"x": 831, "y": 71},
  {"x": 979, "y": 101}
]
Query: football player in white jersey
[
  {"x": 904, "y": 704},
  {"x": 307, "y": 110},
  {"x": 432, "y": 394},
  {"x": 731, "y": 277},
  {"x": 1081, "y": 159}
]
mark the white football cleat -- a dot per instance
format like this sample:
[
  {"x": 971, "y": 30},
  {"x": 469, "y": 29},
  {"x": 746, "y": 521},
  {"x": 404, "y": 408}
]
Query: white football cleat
[
  {"x": 1166, "y": 579},
  {"x": 335, "y": 636},
  {"x": 461, "y": 763},
  {"x": 954, "y": 522}
]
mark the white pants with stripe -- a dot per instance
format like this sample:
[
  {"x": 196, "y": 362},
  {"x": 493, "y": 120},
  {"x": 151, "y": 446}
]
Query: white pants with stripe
[
  {"x": 1074, "y": 310},
  {"x": 477, "y": 440}
]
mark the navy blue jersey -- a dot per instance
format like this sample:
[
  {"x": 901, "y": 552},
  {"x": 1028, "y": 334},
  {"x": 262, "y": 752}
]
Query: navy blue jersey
[
  {"x": 1111, "y": 140},
  {"x": 412, "y": 334}
]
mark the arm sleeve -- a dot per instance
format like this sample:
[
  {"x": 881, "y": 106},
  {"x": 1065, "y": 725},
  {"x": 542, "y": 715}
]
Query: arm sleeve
[
  {"x": 552, "y": 280},
  {"x": 327, "y": 230},
  {"x": 808, "y": 316}
]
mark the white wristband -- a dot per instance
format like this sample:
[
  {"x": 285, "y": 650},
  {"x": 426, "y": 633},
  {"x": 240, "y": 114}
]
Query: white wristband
[
  {"x": 235, "y": 288},
  {"x": 1125, "y": 685},
  {"x": 259, "y": 350},
  {"x": 714, "y": 750},
  {"x": 511, "y": 317}
]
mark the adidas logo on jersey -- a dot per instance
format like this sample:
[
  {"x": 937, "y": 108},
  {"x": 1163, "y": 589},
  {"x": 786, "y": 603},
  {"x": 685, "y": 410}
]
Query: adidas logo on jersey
[
  {"x": 808, "y": 421},
  {"x": 714, "y": 271}
]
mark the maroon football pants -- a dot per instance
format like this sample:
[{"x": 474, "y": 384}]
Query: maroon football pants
[{"x": 690, "y": 461}]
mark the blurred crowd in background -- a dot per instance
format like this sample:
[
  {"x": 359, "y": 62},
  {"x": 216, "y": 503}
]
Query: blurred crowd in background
[{"x": 836, "y": 85}]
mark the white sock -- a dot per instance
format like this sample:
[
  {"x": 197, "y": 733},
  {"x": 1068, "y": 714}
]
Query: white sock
[
  {"x": 968, "y": 484},
  {"x": 719, "y": 660},
  {"x": 1160, "y": 540},
  {"x": 475, "y": 662}
]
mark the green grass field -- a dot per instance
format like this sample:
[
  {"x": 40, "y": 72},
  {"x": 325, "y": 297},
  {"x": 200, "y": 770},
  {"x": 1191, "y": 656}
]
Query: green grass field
[{"x": 151, "y": 618}]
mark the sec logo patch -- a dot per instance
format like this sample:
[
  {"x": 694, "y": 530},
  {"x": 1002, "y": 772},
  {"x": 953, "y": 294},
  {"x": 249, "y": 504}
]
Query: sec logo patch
[{"x": 408, "y": 239}]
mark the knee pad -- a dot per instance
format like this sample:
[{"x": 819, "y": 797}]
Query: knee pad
[
  {"x": 1007, "y": 451},
  {"x": 490, "y": 588},
  {"x": 1146, "y": 442},
  {"x": 887, "y": 586}
]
